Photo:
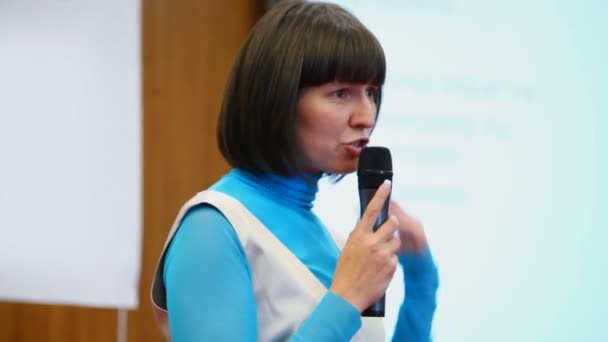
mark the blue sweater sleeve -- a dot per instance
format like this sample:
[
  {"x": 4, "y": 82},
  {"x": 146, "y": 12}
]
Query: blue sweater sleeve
[
  {"x": 416, "y": 313},
  {"x": 209, "y": 287}
]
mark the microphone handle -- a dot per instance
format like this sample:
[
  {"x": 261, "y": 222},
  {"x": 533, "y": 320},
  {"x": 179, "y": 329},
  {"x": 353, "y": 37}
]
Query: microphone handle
[{"x": 365, "y": 196}]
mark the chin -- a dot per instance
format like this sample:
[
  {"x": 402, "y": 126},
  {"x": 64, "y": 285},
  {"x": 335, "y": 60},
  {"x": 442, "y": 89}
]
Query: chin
[
  {"x": 336, "y": 164},
  {"x": 344, "y": 169}
]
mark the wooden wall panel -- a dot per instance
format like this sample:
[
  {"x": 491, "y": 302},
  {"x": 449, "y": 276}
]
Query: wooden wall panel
[
  {"x": 187, "y": 51},
  {"x": 40, "y": 323}
]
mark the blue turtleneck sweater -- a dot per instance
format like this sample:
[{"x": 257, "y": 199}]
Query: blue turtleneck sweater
[{"x": 208, "y": 280}]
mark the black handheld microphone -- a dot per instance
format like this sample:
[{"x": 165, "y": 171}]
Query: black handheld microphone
[{"x": 375, "y": 165}]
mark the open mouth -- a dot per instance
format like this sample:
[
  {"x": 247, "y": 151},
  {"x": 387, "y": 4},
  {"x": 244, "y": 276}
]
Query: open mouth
[{"x": 360, "y": 143}]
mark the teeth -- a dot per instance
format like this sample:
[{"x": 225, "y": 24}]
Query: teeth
[{"x": 358, "y": 143}]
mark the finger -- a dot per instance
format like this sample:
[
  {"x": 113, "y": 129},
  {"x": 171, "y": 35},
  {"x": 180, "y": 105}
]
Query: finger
[
  {"x": 395, "y": 209},
  {"x": 407, "y": 222},
  {"x": 394, "y": 245},
  {"x": 406, "y": 219},
  {"x": 388, "y": 229},
  {"x": 413, "y": 241},
  {"x": 392, "y": 266},
  {"x": 374, "y": 207}
]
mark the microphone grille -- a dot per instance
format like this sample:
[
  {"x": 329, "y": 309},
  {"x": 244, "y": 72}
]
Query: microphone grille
[{"x": 376, "y": 159}]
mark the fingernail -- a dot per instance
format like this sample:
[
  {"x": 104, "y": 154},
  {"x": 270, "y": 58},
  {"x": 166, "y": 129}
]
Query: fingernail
[{"x": 387, "y": 183}]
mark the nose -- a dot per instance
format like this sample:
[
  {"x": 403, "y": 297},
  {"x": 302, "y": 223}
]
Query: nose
[{"x": 364, "y": 114}]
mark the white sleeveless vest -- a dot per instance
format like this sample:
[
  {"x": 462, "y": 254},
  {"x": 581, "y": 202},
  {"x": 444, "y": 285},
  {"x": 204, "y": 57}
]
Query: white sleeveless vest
[{"x": 286, "y": 292}]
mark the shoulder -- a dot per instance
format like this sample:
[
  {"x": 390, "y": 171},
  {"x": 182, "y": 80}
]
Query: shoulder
[{"x": 204, "y": 234}]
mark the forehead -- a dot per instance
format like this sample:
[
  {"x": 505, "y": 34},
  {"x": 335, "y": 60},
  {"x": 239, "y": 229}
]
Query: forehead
[
  {"x": 336, "y": 85},
  {"x": 349, "y": 84}
]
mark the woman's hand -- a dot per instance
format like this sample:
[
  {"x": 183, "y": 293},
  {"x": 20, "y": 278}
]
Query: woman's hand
[
  {"x": 369, "y": 260},
  {"x": 411, "y": 231}
]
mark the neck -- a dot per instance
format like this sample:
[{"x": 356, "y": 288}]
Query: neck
[{"x": 299, "y": 190}]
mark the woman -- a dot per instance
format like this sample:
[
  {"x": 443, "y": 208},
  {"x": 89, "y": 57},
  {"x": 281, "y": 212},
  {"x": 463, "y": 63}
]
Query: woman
[{"x": 247, "y": 259}]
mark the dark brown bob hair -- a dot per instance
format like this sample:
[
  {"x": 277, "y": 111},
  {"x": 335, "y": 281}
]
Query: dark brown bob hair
[{"x": 296, "y": 44}]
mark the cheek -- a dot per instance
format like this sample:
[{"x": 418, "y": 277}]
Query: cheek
[
  {"x": 314, "y": 126},
  {"x": 316, "y": 141},
  {"x": 318, "y": 128}
]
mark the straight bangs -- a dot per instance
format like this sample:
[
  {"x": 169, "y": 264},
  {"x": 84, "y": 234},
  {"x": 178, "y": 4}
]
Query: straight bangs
[{"x": 343, "y": 52}]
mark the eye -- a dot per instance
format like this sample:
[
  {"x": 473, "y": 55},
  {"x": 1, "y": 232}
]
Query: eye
[
  {"x": 372, "y": 92},
  {"x": 341, "y": 93}
]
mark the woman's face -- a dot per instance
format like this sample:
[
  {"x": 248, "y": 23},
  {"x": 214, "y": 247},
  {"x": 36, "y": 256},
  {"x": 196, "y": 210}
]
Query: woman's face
[{"x": 333, "y": 124}]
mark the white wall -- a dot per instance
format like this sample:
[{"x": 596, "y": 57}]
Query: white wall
[
  {"x": 494, "y": 112},
  {"x": 70, "y": 152}
]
